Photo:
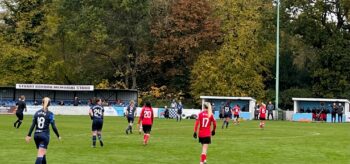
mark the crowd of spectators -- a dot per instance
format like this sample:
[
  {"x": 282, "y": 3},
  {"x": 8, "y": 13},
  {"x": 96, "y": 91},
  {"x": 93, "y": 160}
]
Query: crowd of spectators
[{"x": 320, "y": 113}]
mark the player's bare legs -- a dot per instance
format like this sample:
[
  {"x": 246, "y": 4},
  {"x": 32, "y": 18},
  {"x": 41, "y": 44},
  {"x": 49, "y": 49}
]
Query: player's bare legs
[
  {"x": 262, "y": 124},
  {"x": 41, "y": 157},
  {"x": 204, "y": 153},
  {"x": 146, "y": 138},
  {"x": 140, "y": 129}
]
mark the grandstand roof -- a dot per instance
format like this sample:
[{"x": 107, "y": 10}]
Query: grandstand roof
[
  {"x": 321, "y": 99},
  {"x": 227, "y": 98}
]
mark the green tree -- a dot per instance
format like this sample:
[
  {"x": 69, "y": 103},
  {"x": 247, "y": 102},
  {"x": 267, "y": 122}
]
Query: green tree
[
  {"x": 22, "y": 34},
  {"x": 95, "y": 40},
  {"x": 76, "y": 30},
  {"x": 237, "y": 68},
  {"x": 323, "y": 27}
]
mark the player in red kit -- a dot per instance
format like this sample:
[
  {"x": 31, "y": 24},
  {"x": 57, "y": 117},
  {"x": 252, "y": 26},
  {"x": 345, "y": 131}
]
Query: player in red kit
[
  {"x": 204, "y": 120},
  {"x": 262, "y": 113},
  {"x": 146, "y": 117},
  {"x": 236, "y": 110}
]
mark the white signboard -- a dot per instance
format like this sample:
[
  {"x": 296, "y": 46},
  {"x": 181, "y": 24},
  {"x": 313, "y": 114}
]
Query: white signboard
[
  {"x": 347, "y": 117},
  {"x": 56, "y": 87},
  {"x": 70, "y": 110},
  {"x": 109, "y": 110}
]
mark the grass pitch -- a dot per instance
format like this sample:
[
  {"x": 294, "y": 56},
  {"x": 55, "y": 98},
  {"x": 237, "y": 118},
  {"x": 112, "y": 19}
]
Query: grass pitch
[{"x": 172, "y": 142}]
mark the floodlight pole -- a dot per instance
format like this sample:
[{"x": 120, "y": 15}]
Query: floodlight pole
[{"x": 277, "y": 54}]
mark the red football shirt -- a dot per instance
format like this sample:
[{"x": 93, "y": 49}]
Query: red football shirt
[
  {"x": 236, "y": 110},
  {"x": 204, "y": 122},
  {"x": 262, "y": 111},
  {"x": 146, "y": 116}
]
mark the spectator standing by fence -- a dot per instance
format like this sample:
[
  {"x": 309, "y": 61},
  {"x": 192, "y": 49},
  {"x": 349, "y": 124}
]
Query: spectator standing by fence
[
  {"x": 173, "y": 104},
  {"x": 166, "y": 112},
  {"x": 179, "y": 111},
  {"x": 340, "y": 112},
  {"x": 61, "y": 103},
  {"x": 221, "y": 115},
  {"x": 36, "y": 103},
  {"x": 270, "y": 109},
  {"x": 76, "y": 101},
  {"x": 256, "y": 111},
  {"x": 334, "y": 112}
]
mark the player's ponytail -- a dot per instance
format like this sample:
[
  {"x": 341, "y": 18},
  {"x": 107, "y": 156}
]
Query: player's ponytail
[
  {"x": 46, "y": 103},
  {"x": 207, "y": 105}
]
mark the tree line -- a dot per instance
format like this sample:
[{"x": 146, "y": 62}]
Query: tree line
[{"x": 196, "y": 47}]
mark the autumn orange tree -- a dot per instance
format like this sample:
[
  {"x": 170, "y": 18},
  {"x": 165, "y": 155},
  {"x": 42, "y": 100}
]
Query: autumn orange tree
[{"x": 180, "y": 29}]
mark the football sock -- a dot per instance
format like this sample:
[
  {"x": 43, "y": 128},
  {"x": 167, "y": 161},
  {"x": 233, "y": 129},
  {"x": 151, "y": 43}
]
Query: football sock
[
  {"x": 39, "y": 160},
  {"x": 203, "y": 157},
  {"x": 15, "y": 124},
  {"x": 130, "y": 128},
  {"x": 227, "y": 124},
  {"x": 223, "y": 124},
  {"x": 44, "y": 160},
  {"x": 94, "y": 141},
  {"x": 100, "y": 139},
  {"x": 19, "y": 124}
]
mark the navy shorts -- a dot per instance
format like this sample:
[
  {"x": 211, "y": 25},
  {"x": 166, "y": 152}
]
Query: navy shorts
[
  {"x": 204, "y": 140},
  {"x": 147, "y": 128},
  {"x": 19, "y": 116},
  {"x": 131, "y": 119},
  {"x": 236, "y": 116},
  {"x": 227, "y": 115},
  {"x": 97, "y": 125},
  {"x": 262, "y": 118},
  {"x": 41, "y": 140}
]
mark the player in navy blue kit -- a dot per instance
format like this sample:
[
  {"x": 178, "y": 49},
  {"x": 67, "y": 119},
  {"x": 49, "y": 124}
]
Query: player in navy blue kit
[
  {"x": 227, "y": 115},
  {"x": 21, "y": 106},
  {"x": 130, "y": 115},
  {"x": 41, "y": 122},
  {"x": 96, "y": 113}
]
